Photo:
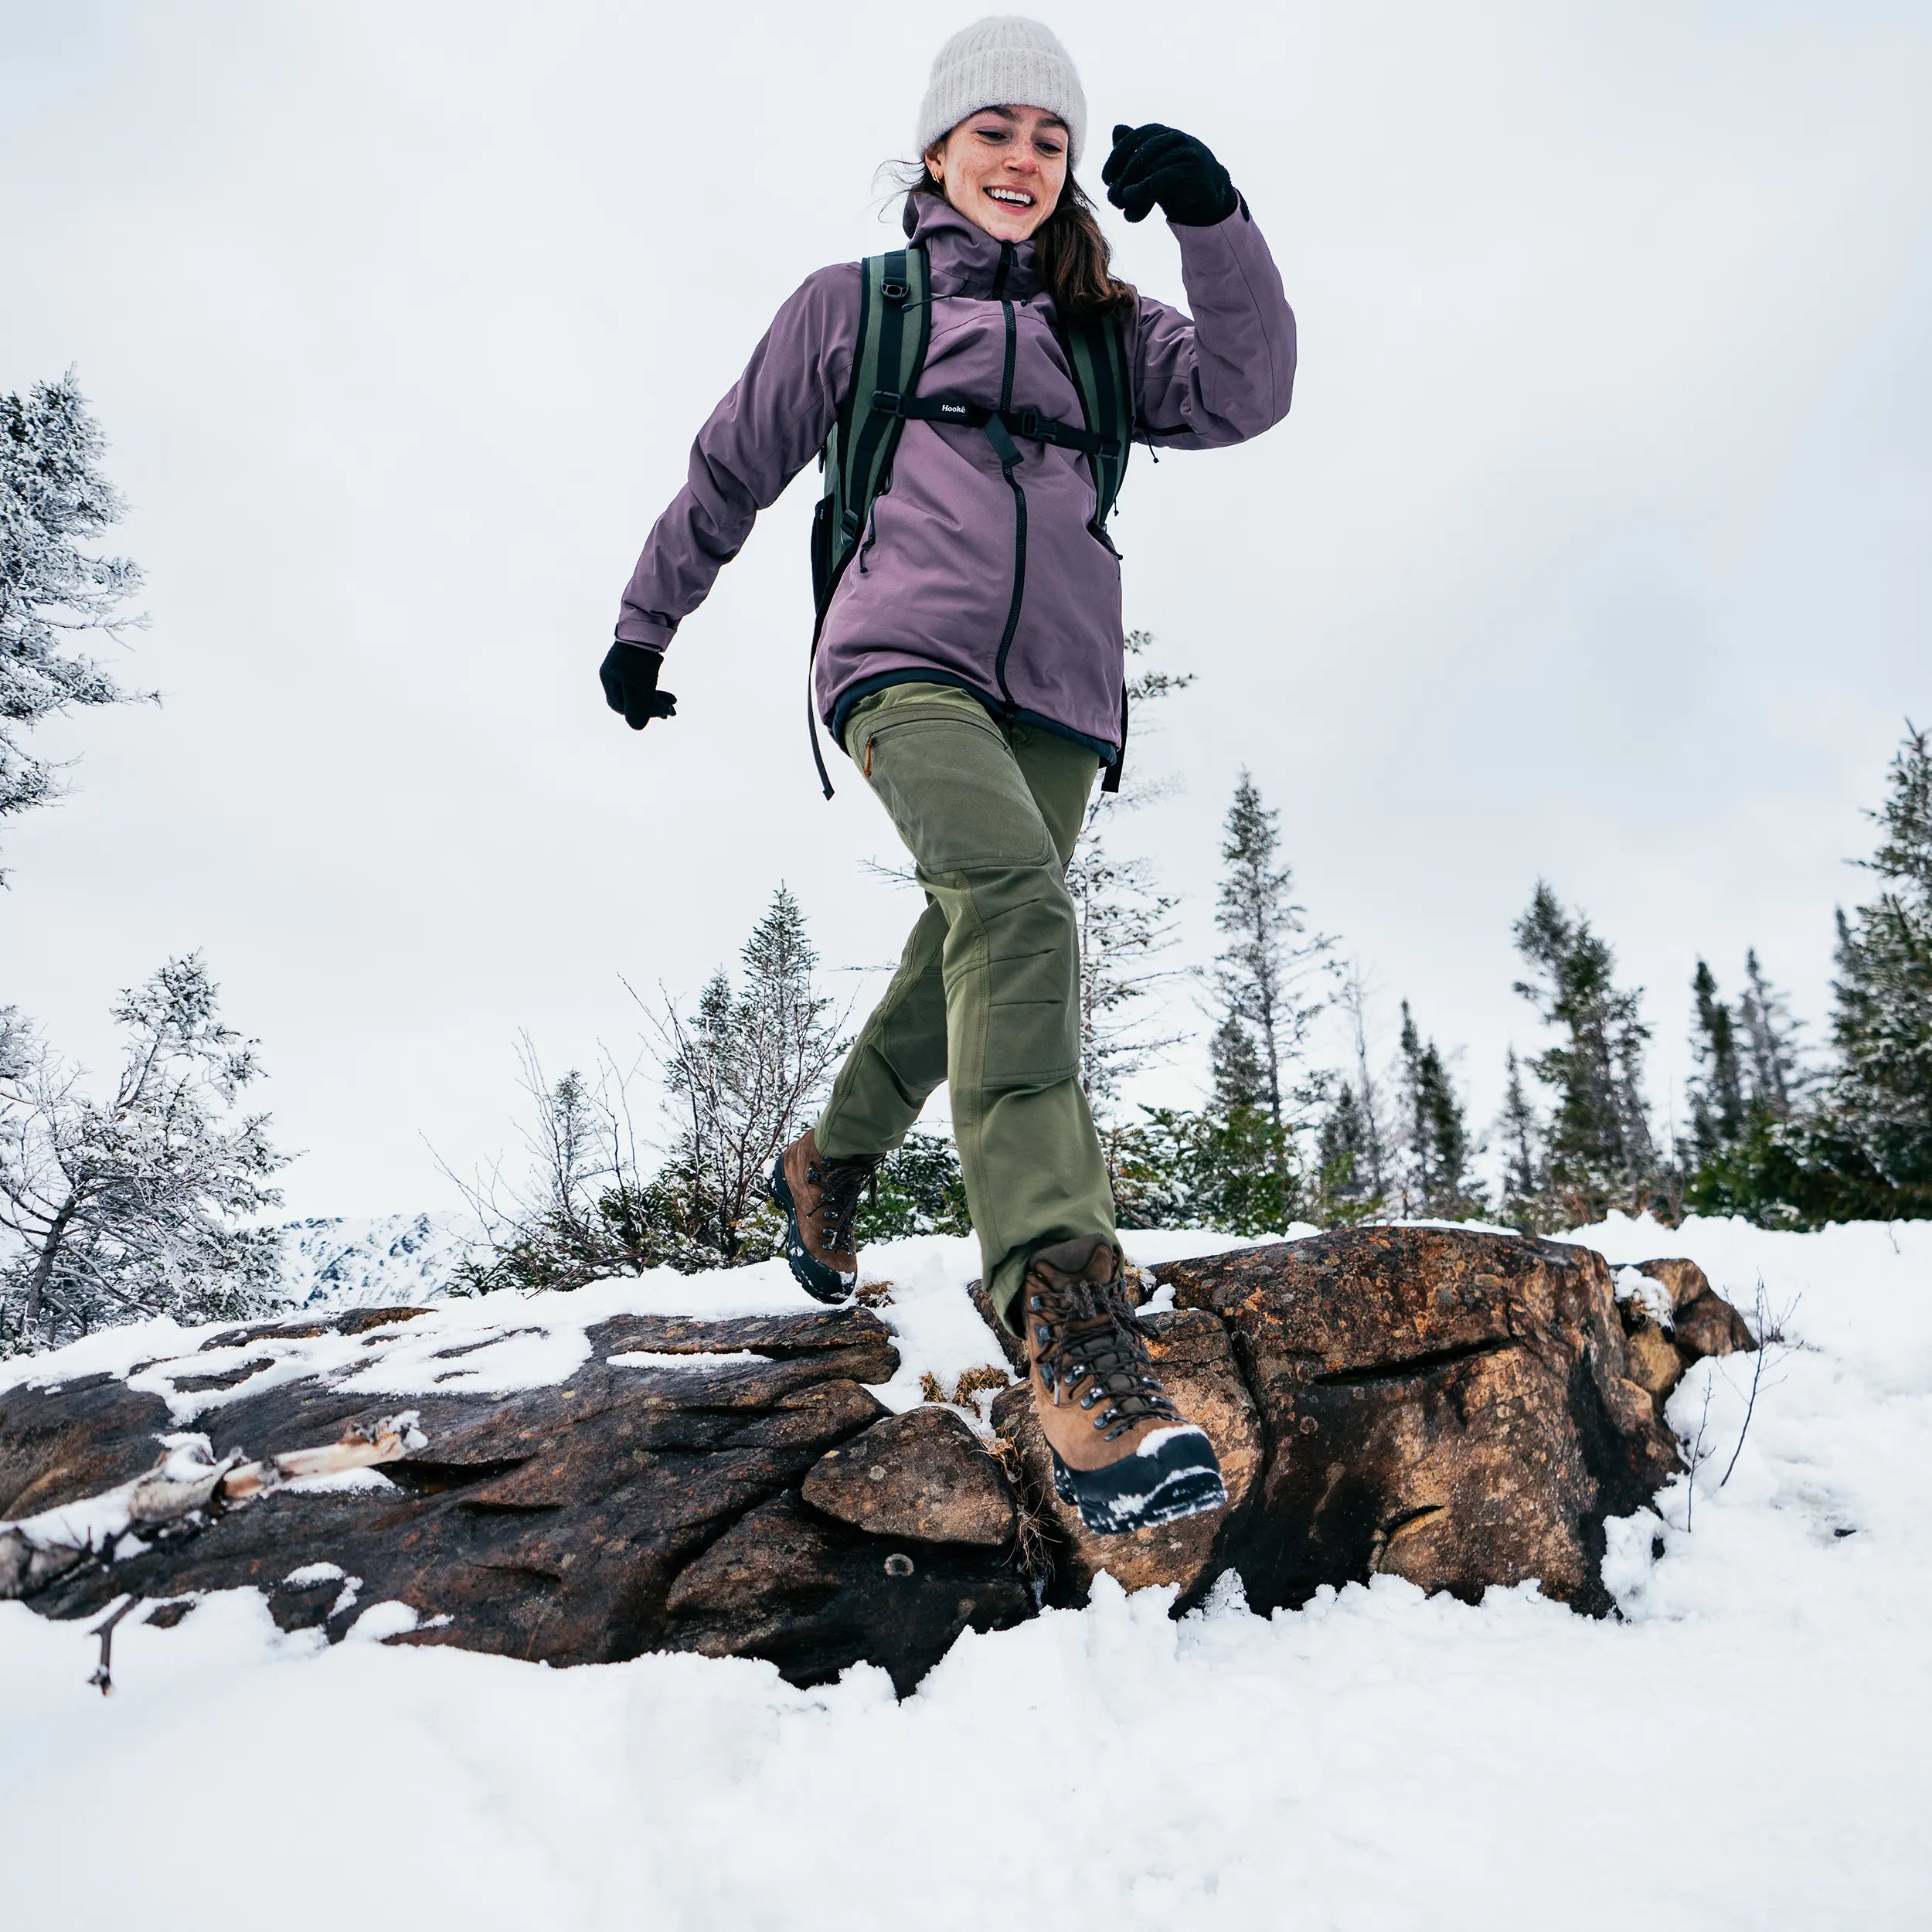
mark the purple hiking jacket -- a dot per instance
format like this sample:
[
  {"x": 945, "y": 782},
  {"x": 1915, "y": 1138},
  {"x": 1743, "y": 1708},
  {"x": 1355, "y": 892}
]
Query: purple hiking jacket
[{"x": 930, "y": 590}]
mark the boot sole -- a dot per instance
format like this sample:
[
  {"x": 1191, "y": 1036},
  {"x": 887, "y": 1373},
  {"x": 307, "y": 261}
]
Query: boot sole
[
  {"x": 1181, "y": 1479},
  {"x": 822, "y": 1284}
]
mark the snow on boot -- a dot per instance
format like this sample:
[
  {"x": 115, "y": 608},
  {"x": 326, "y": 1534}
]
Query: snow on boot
[
  {"x": 819, "y": 1198},
  {"x": 1123, "y": 1454}
]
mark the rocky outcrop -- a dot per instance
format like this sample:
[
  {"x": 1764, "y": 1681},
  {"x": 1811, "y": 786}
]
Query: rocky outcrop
[
  {"x": 550, "y": 1524},
  {"x": 1457, "y": 1408},
  {"x": 1664, "y": 1334},
  {"x": 1451, "y": 1407}
]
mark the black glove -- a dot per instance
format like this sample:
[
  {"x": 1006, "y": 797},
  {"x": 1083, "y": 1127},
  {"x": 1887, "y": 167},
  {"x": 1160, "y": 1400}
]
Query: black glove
[
  {"x": 1156, "y": 164},
  {"x": 629, "y": 675}
]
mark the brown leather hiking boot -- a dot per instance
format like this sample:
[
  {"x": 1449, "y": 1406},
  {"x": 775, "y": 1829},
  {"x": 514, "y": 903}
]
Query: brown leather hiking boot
[
  {"x": 820, "y": 1198},
  {"x": 1123, "y": 1454}
]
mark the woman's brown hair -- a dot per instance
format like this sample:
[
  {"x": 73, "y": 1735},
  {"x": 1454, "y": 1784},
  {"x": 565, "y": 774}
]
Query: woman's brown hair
[{"x": 1073, "y": 255}]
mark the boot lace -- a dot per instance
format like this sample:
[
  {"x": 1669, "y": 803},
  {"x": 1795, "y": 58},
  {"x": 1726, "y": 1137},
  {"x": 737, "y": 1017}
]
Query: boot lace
[
  {"x": 1092, "y": 1351},
  {"x": 840, "y": 1184}
]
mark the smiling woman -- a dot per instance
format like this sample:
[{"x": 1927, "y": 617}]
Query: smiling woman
[{"x": 975, "y": 394}]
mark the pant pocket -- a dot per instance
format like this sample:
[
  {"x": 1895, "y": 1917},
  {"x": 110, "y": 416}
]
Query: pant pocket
[
  {"x": 956, "y": 795},
  {"x": 1033, "y": 1034}
]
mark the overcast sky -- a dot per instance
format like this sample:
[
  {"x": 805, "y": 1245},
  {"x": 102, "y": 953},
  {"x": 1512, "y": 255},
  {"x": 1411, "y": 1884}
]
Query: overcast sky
[{"x": 1595, "y": 549}]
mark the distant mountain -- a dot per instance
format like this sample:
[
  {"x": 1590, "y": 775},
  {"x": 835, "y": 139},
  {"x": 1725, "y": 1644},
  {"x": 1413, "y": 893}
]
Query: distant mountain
[{"x": 392, "y": 1259}]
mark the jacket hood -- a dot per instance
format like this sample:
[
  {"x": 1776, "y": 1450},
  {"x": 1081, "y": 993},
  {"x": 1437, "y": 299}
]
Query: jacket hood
[{"x": 964, "y": 259}]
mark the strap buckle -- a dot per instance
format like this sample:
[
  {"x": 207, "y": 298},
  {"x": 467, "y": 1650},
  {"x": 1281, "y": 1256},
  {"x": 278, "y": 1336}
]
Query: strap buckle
[
  {"x": 1029, "y": 423},
  {"x": 889, "y": 402}
]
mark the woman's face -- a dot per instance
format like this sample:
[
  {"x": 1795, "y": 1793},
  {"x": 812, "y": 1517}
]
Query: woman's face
[{"x": 1003, "y": 168}]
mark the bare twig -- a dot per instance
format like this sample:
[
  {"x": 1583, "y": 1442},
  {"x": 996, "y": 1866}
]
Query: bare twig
[
  {"x": 103, "y": 1673},
  {"x": 1761, "y": 1309},
  {"x": 1696, "y": 1458}
]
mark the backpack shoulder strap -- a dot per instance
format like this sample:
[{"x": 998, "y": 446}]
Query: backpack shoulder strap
[
  {"x": 895, "y": 325},
  {"x": 1099, "y": 352}
]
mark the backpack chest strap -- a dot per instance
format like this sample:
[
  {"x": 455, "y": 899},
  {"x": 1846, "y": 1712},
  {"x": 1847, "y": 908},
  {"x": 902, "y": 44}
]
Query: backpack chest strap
[{"x": 1028, "y": 424}]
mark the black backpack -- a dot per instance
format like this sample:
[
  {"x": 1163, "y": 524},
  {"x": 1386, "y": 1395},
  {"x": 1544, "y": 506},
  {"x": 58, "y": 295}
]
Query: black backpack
[{"x": 895, "y": 325}]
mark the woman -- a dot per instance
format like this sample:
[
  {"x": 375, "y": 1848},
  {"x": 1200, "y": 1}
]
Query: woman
[{"x": 970, "y": 664}]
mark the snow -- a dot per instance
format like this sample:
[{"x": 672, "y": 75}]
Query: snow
[
  {"x": 496, "y": 1344},
  {"x": 1632, "y": 1284},
  {"x": 341, "y": 1482},
  {"x": 1745, "y": 1748},
  {"x": 313, "y": 1573}
]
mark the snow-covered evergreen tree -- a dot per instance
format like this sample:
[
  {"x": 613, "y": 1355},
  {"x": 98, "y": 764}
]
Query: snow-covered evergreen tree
[
  {"x": 143, "y": 1203},
  {"x": 1715, "y": 1092},
  {"x": 1435, "y": 1180},
  {"x": 1526, "y": 1180},
  {"x": 1854, "y": 1142},
  {"x": 920, "y": 1190},
  {"x": 1346, "y": 1161},
  {"x": 1125, "y": 921},
  {"x": 1265, "y": 979},
  {"x": 1600, "y": 1154},
  {"x": 1237, "y": 1077},
  {"x": 54, "y": 499},
  {"x": 1878, "y": 1105},
  {"x": 1239, "y": 1164},
  {"x": 1776, "y": 1079},
  {"x": 744, "y": 1071}
]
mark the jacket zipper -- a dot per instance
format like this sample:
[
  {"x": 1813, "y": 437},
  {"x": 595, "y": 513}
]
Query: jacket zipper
[{"x": 1009, "y": 454}]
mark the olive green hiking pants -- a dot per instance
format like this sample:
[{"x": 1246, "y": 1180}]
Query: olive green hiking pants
[{"x": 987, "y": 994}]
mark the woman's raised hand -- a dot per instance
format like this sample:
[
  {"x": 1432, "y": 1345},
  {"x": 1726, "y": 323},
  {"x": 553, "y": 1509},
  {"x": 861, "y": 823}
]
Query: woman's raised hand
[{"x": 1155, "y": 164}]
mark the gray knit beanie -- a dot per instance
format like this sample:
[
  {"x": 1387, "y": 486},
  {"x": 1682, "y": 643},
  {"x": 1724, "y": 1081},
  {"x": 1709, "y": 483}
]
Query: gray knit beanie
[{"x": 1003, "y": 61}]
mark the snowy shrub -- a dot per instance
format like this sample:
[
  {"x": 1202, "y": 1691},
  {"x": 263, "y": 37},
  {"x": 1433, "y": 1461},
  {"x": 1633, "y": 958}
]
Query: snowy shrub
[{"x": 141, "y": 1203}]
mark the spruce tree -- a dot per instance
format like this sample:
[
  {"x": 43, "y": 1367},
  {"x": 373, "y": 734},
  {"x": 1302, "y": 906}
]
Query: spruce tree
[
  {"x": 1773, "y": 1072},
  {"x": 1714, "y": 1091},
  {"x": 1347, "y": 1191},
  {"x": 1124, "y": 921},
  {"x": 1263, "y": 975},
  {"x": 1436, "y": 1182},
  {"x": 54, "y": 498},
  {"x": 1749, "y": 1148},
  {"x": 1264, "y": 1094},
  {"x": 1601, "y": 1153},
  {"x": 742, "y": 1072},
  {"x": 1878, "y": 1110},
  {"x": 1527, "y": 1200},
  {"x": 744, "y": 1068},
  {"x": 1239, "y": 1080},
  {"x": 1418, "y": 1133},
  {"x": 919, "y": 1189}
]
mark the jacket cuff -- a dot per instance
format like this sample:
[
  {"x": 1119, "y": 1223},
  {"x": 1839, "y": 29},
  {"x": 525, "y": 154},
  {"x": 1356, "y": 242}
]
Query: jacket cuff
[{"x": 646, "y": 629}]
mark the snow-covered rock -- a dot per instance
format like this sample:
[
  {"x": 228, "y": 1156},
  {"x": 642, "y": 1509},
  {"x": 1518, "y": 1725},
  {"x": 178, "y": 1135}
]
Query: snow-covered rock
[{"x": 601, "y": 1476}]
